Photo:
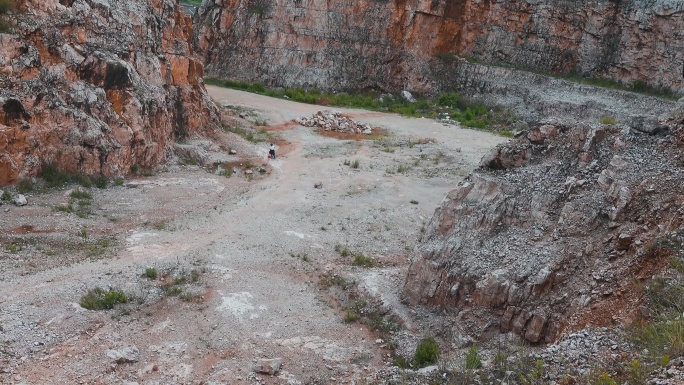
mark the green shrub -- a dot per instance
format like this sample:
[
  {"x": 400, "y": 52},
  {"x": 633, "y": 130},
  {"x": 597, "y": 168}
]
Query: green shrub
[
  {"x": 363, "y": 261},
  {"x": 25, "y": 186},
  {"x": 151, "y": 273},
  {"x": 7, "y": 6},
  {"x": 100, "y": 182},
  {"x": 356, "y": 164},
  {"x": 53, "y": 176},
  {"x": 78, "y": 194},
  {"x": 449, "y": 99},
  {"x": 99, "y": 299},
  {"x": 472, "y": 360},
  {"x": 607, "y": 120},
  {"x": 426, "y": 354},
  {"x": 6, "y": 196}
]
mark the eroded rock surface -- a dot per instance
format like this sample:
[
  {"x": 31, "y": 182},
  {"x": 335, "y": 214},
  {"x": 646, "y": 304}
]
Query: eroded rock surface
[
  {"x": 555, "y": 231},
  {"x": 97, "y": 86},
  {"x": 415, "y": 45}
]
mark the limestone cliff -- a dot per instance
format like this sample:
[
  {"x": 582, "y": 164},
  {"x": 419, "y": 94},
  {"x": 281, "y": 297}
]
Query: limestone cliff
[
  {"x": 416, "y": 45},
  {"x": 97, "y": 86},
  {"x": 510, "y": 250}
]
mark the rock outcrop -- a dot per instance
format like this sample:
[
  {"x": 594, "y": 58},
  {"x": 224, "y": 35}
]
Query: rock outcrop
[
  {"x": 97, "y": 86},
  {"x": 556, "y": 231},
  {"x": 417, "y": 45}
]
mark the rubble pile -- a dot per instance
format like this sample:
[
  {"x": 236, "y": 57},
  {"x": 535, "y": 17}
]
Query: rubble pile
[{"x": 334, "y": 121}]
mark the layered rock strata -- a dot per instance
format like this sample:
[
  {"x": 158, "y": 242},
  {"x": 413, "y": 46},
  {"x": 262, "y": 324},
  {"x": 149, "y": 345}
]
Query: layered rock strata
[
  {"x": 558, "y": 229},
  {"x": 97, "y": 86},
  {"x": 400, "y": 44}
]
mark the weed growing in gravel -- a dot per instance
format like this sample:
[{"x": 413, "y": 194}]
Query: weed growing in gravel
[
  {"x": 472, "y": 360},
  {"x": 437, "y": 158},
  {"x": 303, "y": 256},
  {"x": 363, "y": 261},
  {"x": 6, "y": 196},
  {"x": 403, "y": 168},
  {"x": 161, "y": 225},
  {"x": 254, "y": 136},
  {"x": 151, "y": 273},
  {"x": 176, "y": 285},
  {"x": 607, "y": 119},
  {"x": 99, "y": 299},
  {"x": 355, "y": 164},
  {"x": 388, "y": 150},
  {"x": 80, "y": 203},
  {"x": 25, "y": 186},
  {"x": 336, "y": 280},
  {"x": 13, "y": 248},
  {"x": 414, "y": 202}
]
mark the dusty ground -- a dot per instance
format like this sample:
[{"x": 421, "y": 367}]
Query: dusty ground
[{"x": 252, "y": 256}]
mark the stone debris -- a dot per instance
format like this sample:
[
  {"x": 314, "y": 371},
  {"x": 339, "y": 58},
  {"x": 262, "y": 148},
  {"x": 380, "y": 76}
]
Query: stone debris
[
  {"x": 334, "y": 121},
  {"x": 19, "y": 200},
  {"x": 125, "y": 355},
  {"x": 268, "y": 366}
]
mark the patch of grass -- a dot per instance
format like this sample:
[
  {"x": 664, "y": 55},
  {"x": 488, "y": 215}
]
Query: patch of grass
[
  {"x": 25, "y": 186},
  {"x": 79, "y": 194},
  {"x": 388, "y": 150},
  {"x": 472, "y": 359},
  {"x": 345, "y": 252},
  {"x": 161, "y": 226},
  {"x": 363, "y": 261},
  {"x": 151, "y": 273},
  {"x": 607, "y": 119},
  {"x": 176, "y": 285},
  {"x": 99, "y": 299},
  {"x": 6, "y": 196},
  {"x": 403, "y": 168},
  {"x": 350, "y": 316},
  {"x": 355, "y": 164},
  {"x": 414, "y": 202},
  {"x": 427, "y": 353},
  {"x": 254, "y": 136},
  {"x": 13, "y": 248}
]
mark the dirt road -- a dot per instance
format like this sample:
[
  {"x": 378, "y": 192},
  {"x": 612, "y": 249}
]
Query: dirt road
[{"x": 253, "y": 258}]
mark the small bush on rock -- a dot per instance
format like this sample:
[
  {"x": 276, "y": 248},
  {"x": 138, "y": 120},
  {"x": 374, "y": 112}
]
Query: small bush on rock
[
  {"x": 99, "y": 299},
  {"x": 426, "y": 354}
]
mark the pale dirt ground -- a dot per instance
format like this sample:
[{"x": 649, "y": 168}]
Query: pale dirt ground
[{"x": 261, "y": 248}]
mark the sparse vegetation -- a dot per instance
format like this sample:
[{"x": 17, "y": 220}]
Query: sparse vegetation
[
  {"x": 474, "y": 115},
  {"x": 100, "y": 299},
  {"x": 427, "y": 353},
  {"x": 6, "y": 7},
  {"x": 151, "y": 273},
  {"x": 6, "y": 196},
  {"x": 414, "y": 202},
  {"x": 607, "y": 119}
]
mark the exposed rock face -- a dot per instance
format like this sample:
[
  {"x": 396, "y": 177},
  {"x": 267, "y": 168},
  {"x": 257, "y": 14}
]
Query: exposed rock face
[
  {"x": 554, "y": 230},
  {"x": 97, "y": 86},
  {"x": 408, "y": 44}
]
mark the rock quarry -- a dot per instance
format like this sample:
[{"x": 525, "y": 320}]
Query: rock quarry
[
  {"x": 426, "y": 46},
  {"x": 97, "y": 87}
]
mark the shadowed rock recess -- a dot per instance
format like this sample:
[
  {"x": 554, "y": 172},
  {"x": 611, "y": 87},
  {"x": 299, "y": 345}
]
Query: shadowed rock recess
[
  {"x": 420, "y": 45},
  {"x": 97, "y": 86},
  {"x": 539, "y": 240}
]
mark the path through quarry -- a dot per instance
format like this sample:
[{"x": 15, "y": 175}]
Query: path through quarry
[{"x": 253, "y": 250}]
